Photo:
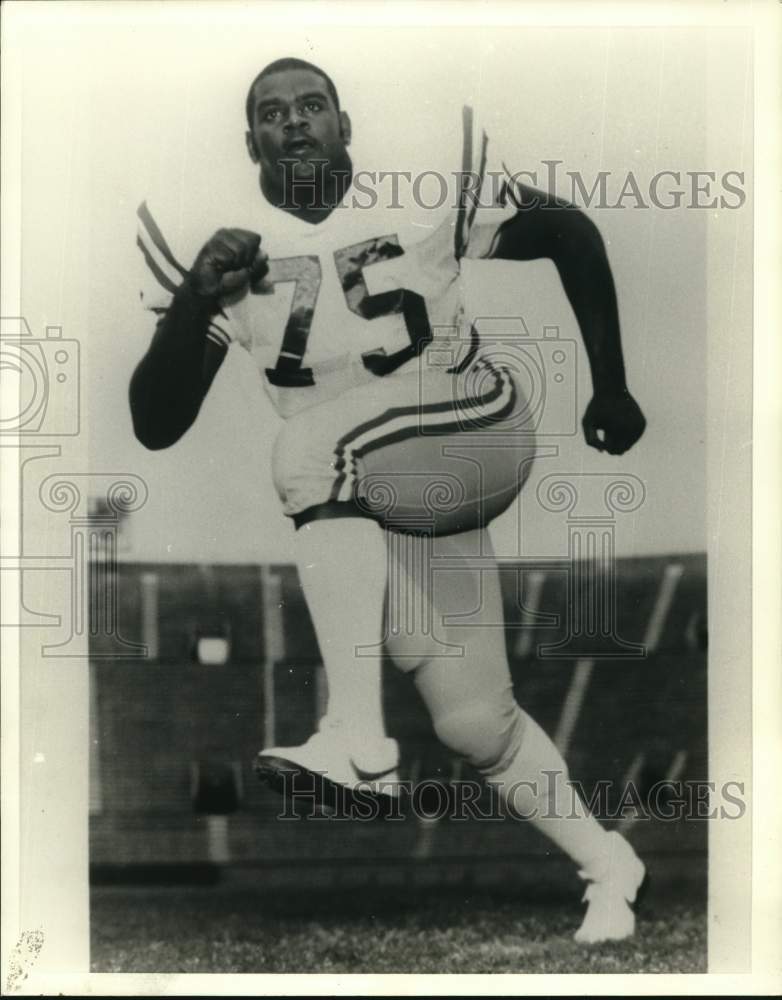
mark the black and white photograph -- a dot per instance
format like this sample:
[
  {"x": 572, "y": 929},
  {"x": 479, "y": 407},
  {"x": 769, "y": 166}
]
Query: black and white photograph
[{"x": 386, "y": 590}]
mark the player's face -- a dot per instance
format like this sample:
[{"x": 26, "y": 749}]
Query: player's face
[{"x": 295, "y": 119}]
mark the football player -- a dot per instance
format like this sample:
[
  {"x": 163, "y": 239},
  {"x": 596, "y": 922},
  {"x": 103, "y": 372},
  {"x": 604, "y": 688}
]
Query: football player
[{"x": 403, "y": 437}]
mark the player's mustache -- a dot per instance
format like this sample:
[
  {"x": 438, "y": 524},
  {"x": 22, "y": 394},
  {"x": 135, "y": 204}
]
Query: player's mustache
[{"x": 295, "y": 141}]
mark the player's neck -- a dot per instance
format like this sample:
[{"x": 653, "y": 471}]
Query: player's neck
[{"x": 313, "y": 199}]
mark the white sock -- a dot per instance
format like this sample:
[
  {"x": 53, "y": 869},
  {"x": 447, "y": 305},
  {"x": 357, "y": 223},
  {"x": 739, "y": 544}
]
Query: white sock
[
  {"x": 342, "y": 567},
  {"x": 536, "y": 786}
]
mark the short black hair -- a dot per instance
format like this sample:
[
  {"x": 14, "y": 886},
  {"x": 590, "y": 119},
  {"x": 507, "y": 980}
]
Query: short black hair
[{"x": 279, "y": 66}]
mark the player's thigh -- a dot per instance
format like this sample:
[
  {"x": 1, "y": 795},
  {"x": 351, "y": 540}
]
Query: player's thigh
[
  {"x": 444, "y": 611},
  {"x": 311, "y": 460},
  {"x": 449, "y": 463}
]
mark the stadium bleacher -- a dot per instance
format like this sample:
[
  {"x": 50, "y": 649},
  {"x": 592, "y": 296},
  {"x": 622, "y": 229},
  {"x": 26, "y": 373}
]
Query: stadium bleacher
[{"x": 173, "y": 739}]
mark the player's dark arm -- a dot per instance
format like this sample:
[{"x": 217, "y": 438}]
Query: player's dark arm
[
  {"x": 174, "y": 376},
  {"x": 545, "y": 228},
  {"x": 172, "y": 379},
  {"x": 565, "y": 235}
]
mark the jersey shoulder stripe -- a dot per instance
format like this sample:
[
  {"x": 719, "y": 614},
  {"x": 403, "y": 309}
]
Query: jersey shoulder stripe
[
  {"x": 158, "y": 255},
  {"x": 167, "y": 274},
  {"x": 470, "y": 181},
  {"x": 156, "y": 242},
  {"x": 484, "y": 198},
  {"x": 160, "y": 275}
]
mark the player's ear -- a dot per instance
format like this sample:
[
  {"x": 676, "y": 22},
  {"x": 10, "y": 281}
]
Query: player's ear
[
  {"x": 252, "y": 149},
  {"x": 345, "y": 128}
]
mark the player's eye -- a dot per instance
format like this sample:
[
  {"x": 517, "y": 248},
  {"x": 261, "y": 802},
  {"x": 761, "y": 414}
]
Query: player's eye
[
  {"x": 313, "y": 106},
  {"x": 271, "y": 115}
]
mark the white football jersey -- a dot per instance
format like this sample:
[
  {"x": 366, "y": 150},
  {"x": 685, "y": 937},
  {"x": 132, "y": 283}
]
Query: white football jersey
[{"x": 353, "y": 298}]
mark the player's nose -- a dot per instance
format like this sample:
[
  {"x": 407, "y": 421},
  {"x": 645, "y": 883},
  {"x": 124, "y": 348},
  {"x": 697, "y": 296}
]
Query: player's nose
[{"x": 295, "y": 119}]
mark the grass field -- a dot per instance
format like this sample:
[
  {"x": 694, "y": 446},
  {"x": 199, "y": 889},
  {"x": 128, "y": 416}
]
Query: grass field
[{"x": 438, "y": 931}]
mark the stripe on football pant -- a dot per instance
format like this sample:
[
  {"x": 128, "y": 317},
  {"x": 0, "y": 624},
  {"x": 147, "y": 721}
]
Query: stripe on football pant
[{"x": 400, "y": 423}]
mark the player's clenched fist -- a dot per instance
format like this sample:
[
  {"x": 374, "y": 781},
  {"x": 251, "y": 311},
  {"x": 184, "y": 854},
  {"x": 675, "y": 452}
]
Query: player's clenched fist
[
  {"x": 618, "y": 416},
  {"x": 227, "y": 262}
]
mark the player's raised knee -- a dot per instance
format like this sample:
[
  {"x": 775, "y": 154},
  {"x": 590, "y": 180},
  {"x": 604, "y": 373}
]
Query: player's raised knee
[{"x": 488, "y": 736}]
